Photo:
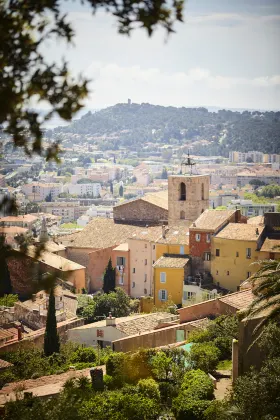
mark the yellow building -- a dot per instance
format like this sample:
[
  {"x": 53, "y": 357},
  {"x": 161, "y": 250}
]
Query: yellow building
[
  {"x": 169, "y": 275},
  {"x": 174, "y": 240},
  {"x": 234, "y": 250}
]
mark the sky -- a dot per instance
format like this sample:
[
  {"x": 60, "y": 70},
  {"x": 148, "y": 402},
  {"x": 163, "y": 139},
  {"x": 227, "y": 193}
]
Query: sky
[{"x": 226, "y": 54}]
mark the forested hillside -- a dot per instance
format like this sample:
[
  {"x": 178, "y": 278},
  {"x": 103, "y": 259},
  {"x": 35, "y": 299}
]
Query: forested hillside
[{"x": 135, "y": 124}]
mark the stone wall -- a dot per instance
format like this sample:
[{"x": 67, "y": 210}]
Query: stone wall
[
  {"x": 152, "y": 339},
  {"x": 140, "y": 212},
  {"x": 188, "y": 210},
  {"x": 33, "y": 318},
  {"x": 7, "y": 315},
  {"x": 36, "y": 338}
]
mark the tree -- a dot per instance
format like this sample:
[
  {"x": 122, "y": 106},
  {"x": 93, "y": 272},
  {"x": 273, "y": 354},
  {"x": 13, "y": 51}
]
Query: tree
[
  {"x": 266, "y": 288},
  {"x": 27, "y": 78},
  {"x": 51, "y": 339},
  {"x": 204, "y": 356},
  {"x": 5, "y": 279},
  {"x": 109, "y": 278},
  {"x": 164, "y": 174},
  {"x": 111, "y": 187},
  {"x": 48, "y": 198},
  {"x": 121, "y": 191}
]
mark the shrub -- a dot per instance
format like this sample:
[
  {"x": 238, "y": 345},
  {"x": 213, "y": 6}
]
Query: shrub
[
  {"x": 108, "y": 382},
  {"x": 149, "y": 388},
  {"x": 204, "y": 356},
  {"x": 187, "y": 408},
  {"x": 198, "y": 384},
  {"x": 168, "y": 390},
  {"x": 224, "y": 344},
  {"x": 115, "y": 367},
  {"x": 84, "y": 355}
]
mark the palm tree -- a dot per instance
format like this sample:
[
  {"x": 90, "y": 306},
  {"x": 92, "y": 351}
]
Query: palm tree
[{"x": 266, "y": 288}]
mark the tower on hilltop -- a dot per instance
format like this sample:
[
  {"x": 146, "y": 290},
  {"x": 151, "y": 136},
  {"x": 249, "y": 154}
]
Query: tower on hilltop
[{"x": 188, "y": 194}]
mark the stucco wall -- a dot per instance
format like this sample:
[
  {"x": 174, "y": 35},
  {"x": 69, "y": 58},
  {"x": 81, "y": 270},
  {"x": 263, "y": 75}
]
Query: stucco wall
[
  {"x": 98, "y": 261},
  {"x": 152, "y": 339},
  {"x": 123, "y": 277},
  {"x": 140, "y": 212},
  {"x": 141, "y": 260},
  {"x": 37, "y": 337},
  {"x": 213, "y": 307},
  {"x": 90, "y": 334}
]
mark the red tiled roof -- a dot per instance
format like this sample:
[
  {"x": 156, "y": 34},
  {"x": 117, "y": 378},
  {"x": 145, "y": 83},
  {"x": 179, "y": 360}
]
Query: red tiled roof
[{"x": 238, "y": 300}]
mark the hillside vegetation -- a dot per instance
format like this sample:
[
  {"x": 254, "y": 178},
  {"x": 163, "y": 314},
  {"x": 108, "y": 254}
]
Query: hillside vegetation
[{"x": 132, "y": 125}]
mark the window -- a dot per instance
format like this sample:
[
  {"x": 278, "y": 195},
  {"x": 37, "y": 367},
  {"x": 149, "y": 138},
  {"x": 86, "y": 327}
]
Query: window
[
  {"x": 162, "y": 294},
  {"x": 133, "y": 270},
  {"x": 217, "y": 272},
  {"x": 248, "y": 253},
  {"x": 227, "y": 273},
  {"x": 182, "y": 249},
  {"x": 182, "y": 215},
  {"x": 133, "y": 284},
  {"x": 217, "y": 252},
  {"x": 182, "y": 191},
  {"x": 145, "y": 291},
  {"x": 197, "y": 237},
  {"x": 163, "y": 277},
  {"x": 120, "y": 261},
  {"x": 154, "y": 247},
  {"x": 248, "y": 274},
  {"x": 121, "y": 280},
  {"x": 208, "y": 237},
  {"x": 146, "y": 261},
  {"x": 146, "y": 246},
  {"x": 153, "y": 261},
  {"x": 202, "y": 191},
  {"x": 207, "y": 256},
  {"x": 237, "y": 253},
  {"x": 145, "y": 278},
  {"x": 189, "y": 295}
]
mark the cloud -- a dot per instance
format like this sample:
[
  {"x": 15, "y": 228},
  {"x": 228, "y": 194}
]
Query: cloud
[{"x": 112, "y": 83}]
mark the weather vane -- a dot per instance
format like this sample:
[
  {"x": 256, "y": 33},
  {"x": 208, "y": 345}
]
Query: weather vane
[{"x": 188, "y": 163}]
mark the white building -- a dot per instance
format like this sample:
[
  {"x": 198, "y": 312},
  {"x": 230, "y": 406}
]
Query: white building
[
  {"x": 90, "y": 190},
  {"x": 250, "y": 209},
  {"x": 37, "y": 191}
]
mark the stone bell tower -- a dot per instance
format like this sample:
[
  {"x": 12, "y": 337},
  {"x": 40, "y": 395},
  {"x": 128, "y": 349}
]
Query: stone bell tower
[{"x": 188, "y": 195}]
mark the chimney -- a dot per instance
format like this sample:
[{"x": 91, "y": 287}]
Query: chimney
[
  {"x": 34, "y": 298},
  {"x": 110, "y": 320},
  {"x": 19, "y": 333},
  {"x": 163, "y": 231}
]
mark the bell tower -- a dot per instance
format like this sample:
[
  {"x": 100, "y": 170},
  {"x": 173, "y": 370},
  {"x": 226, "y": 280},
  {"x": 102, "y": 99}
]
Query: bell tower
[{"x": 188, "y": 194}]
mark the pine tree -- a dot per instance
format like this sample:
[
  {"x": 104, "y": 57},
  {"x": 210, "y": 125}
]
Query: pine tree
[
  {"x": 121, "y": 191},
  {"x": 5, "y": 280},
  {"x": 109, "y": 279},
  {"x": 51, "y": 339},
  {"x": 111, "y": 188}
]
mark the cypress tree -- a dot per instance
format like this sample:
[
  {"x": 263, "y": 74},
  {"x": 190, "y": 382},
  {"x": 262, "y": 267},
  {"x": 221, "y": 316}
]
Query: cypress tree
[
  {"x": 109, "y": 279},
  {"x": 51, "y": 339},
  {"x": 121, "y": 191},
  {"x": 5, "y": 279}
]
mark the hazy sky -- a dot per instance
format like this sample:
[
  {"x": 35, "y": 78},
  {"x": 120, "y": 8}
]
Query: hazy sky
[{"x": 225, "y": 54}]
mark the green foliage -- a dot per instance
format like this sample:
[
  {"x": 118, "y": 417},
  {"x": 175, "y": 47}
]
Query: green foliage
[
  {"x": 121, "y": 191},
  {"x": 84, "y": 181},
  {"x": 117, "y": 302},
  {"x": 220, "y": 332},
  {"x": 109, "y": 278},
  {"x": 5, "y": 280},
  {"x": 269, "y": 341},
  {"x": 84, "y": 355},
  {"x": 270, "y": 191},
  {"x": 204, "y": 356},
  {"x": 187, "y": 408},
  {"x": 198, "y": 384},
  {"x": 149, "y": 388},
  {"x": 164, "y": 124},
  {"x": 255, "y": 198},
  {"x": 51, "y": 338},
  {"x": 8, "y": 300}
]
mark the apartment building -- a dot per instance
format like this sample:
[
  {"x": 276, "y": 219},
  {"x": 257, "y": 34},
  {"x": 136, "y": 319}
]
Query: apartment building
[
  {"x": 250, "y": 209},
  {"x": 68, "y": 211},
  {"x": 253, "y": 156},
  {"x": 91, "y": 189},
  {"x": 37, "y": 191}
]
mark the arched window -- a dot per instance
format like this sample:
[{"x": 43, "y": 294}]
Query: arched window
[
  {"x": 202, "y": 191},
  {"x": 182, "y": 191},
  {"x": 182, "y": 215}
]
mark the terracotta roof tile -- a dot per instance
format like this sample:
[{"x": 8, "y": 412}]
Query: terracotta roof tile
[
  {"x": 4, "y": 364},
  {"x": 241, "y": 231},
  {"x": 257, "y": 220},
  {"x": 239, "y": 300},
  {"x": 4, "y": 334},
  {"x": 271, "y": 245},
  {"x": 212, "y": 220},
  {"x": 171, "y": 262}
]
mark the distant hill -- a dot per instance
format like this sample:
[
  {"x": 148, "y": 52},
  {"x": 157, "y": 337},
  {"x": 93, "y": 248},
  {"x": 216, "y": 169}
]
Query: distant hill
[{"x": 225, "y": 130}]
